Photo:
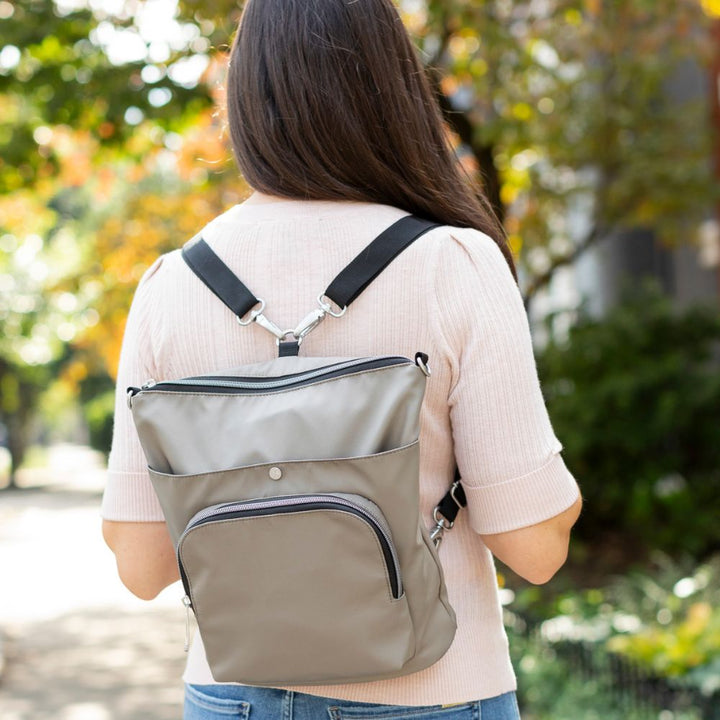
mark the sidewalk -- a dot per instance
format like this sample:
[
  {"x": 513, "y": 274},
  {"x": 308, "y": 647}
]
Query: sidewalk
[{"x": 76, "y": 644}]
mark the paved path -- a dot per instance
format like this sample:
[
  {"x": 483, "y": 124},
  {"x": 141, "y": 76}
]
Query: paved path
[{"x": 76, "y": 644}]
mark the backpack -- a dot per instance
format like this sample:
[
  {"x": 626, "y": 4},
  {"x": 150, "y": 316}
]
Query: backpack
[{"x": 290, "y": 490}]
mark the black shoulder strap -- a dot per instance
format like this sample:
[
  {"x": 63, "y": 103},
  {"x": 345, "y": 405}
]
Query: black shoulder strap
[
  {"x": 218, "y": 276},
  {"x": 349, "y": 283},
  {"x": 354, "y": 278}
]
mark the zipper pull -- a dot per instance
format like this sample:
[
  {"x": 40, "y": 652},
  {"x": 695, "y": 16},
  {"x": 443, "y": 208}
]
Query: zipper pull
[
  {"x": 188, "y": 604},
  {"x": 148, "y": 384}
]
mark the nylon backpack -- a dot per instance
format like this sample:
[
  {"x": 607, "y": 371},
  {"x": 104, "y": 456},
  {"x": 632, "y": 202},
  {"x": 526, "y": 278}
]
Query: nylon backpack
[{"x": 290, "y": 490}]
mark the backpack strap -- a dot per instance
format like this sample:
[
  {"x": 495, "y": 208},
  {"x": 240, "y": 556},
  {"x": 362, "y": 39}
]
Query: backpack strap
[
  {"x": 342, "y": 291},
  {"x": 218, "y": 277},
  {"x": 354, "y": 278}
]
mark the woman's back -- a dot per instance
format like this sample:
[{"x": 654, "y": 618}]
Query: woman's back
[{"x": 450, "y": 295}]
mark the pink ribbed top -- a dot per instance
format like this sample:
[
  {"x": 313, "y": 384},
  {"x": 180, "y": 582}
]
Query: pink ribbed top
[{"x": 450, "y": 295}]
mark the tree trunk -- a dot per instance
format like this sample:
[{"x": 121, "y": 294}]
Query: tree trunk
[
  {"x": 464, "y": 129},
  {"x": 17, "y": 445},
  {"x": 715, "y": 100}
]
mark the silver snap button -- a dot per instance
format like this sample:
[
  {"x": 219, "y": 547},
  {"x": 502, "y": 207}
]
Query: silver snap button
[{"x": 275, "y": 473}]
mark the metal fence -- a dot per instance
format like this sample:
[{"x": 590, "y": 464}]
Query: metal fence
[{"x": 633, "y": 687}]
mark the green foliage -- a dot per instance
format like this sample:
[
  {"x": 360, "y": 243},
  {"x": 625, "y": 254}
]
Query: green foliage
[
  {"x": 691, "y": 642},
  {"x": 559, "y": 101},
  {"x": 552, "y": 688},
  {"x": 665, "y": 618},
  {"x": 34, "y": 318},
  {"x": 634, "y": 397},
  {"x": 64, "y": 77},
  {"x": 679, "y": 609}
]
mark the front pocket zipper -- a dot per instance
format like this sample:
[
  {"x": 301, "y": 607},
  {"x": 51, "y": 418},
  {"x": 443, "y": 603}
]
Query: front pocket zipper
[
  {"x": 253, "y": 385},
  {"x": 351, "y": 504}
]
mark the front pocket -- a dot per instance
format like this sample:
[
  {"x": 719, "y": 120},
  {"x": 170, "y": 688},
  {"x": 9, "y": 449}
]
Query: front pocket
[
  {"x": 296, "y": 590},
  {"x": 355, "y": 505}
]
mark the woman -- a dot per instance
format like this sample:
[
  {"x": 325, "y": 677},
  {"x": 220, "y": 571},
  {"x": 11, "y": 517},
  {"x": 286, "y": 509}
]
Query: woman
[{"x": 334, "y": 126}]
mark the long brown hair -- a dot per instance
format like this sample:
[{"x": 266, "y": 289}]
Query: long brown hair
[{"x": 328, "y": 100}]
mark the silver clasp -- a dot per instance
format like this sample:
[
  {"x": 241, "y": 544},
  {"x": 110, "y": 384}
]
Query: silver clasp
[
  {"x": 308, "y": 323},
  {"x": 328, "y": 309},
  {"x": 453, "y": 489},
  {"x": 256, "y": 316},
  {"x": 423, "y": 366},
  {"x": 253, "y": 314},
  {"x": 442, "y": 524},
  {"x": 270, "y": 326}
]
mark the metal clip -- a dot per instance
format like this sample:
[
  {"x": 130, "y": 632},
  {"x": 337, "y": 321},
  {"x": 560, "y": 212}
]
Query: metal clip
[
  {"x": 308, "y": 323},
  {"x": 256, "y": 316},
  {"x": 328, "y": 309},
  {"x": 436, "y": 535},
  {"x": 253, "y": 314},
  {"x": 442, "y": 524},
  {"x": 453, "y": 490},
  {"x": 270, "y": 326}
]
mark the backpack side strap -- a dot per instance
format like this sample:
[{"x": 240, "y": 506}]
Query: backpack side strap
[{"x": 447, "y": 509}]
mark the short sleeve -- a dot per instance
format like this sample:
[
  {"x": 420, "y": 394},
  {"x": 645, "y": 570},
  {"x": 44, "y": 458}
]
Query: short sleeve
[
  {"x": 129, "y": 495},
  {"x": 505, "y": 447}
]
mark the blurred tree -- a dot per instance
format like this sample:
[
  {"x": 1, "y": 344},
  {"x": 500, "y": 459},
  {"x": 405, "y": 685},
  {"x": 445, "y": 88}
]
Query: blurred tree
[
  {"x": 156, "y": 217},
  {"x": 570, "y": 103},
  {"x": 565, "y": 110},
  {"x": 90, "y": 76},
  {"x": 102, "y": 114},
  {"x": 36, "y": 320}
]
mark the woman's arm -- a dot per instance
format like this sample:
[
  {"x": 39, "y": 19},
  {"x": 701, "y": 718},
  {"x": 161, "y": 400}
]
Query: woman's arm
[
  {"x": 536, "y": 552},
  {"x": 143, "y": 549},
  {"x": 144, "y": 554}
]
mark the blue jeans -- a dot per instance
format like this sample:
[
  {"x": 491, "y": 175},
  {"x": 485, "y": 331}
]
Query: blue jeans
[{"x": 223, "y": 702}]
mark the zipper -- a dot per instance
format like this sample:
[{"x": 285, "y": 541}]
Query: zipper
[
  {"x": 367, "y": 511},
  {"x": 251, "y": 385},
  {"x": 187, "y": 603}
]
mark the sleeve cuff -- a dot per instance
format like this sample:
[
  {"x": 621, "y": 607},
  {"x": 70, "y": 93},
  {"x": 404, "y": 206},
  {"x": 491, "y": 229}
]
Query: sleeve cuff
[
  {"x": 523, "y": 501},
  {"x": 129, "y": 497}
]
